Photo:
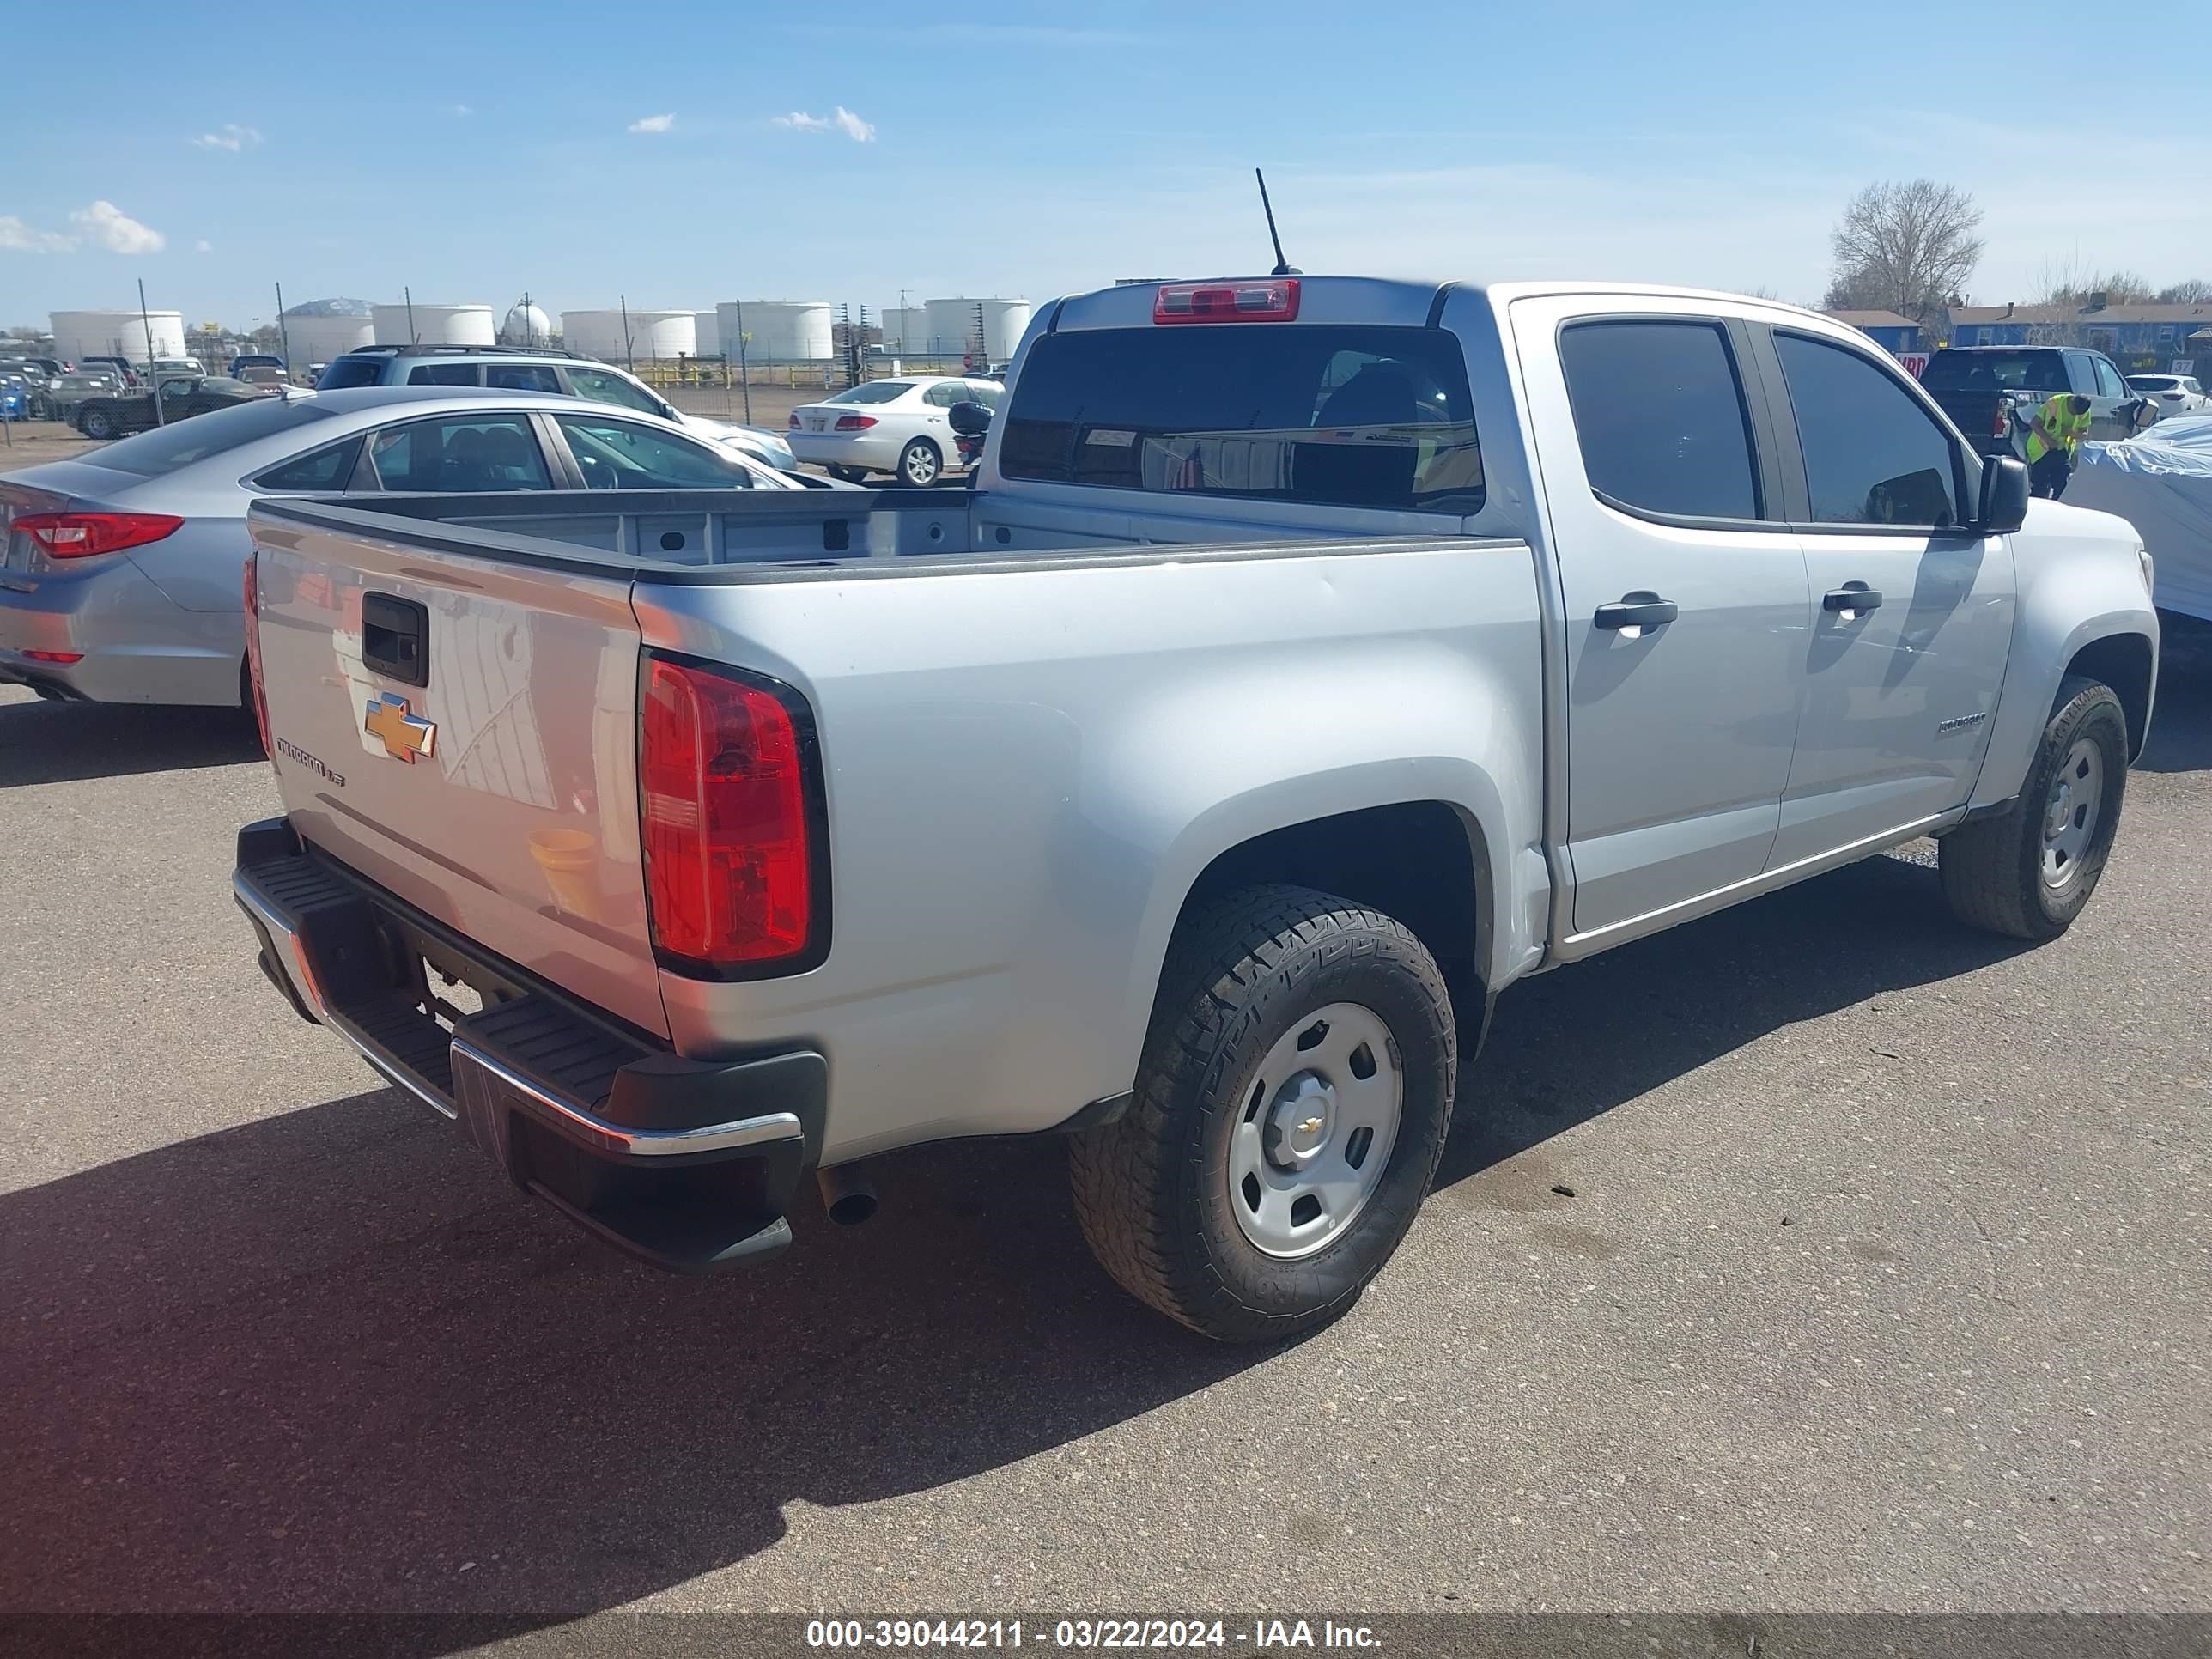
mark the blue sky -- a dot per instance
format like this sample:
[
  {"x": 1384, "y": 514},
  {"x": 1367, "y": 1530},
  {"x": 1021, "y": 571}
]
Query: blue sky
[{"x": 681, "y": 155}]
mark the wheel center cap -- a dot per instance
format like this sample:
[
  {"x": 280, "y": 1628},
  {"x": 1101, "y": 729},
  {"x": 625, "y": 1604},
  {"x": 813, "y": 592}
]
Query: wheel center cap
[{"x": 1301, "y": 1122}]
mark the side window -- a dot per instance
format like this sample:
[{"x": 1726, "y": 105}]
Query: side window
[
  {"x": 470, "y": 453},
  {"x": 1872, "y": 455},
  {"x": 985, "y": 392},
  {"x": 2080, "y": 376},
  {"x": 442, "y": 374},
  {"x": 602, "y": 387},
  {"x": 327, "y": 468},
  {"x": 2109, "y": 384},
  {"x": 945, "y": 394},
  {"x": 521, "y": 377},
  {"x": 622, "y": 455},
  {"x": 1660, "y": 416}
]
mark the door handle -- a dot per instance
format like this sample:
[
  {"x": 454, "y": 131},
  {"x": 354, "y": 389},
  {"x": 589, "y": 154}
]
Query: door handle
[
  {"x": 1852, "y": 599},
  {"x": 1640, "y": 610}
]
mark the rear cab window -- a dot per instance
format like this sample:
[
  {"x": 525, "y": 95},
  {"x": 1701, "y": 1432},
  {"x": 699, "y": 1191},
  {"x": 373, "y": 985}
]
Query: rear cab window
[{"x": 1324, "y": 414}]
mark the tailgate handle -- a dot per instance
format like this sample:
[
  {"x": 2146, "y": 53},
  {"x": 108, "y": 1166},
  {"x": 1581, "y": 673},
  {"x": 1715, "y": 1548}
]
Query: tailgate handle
[{"x": 395, "y": 638}]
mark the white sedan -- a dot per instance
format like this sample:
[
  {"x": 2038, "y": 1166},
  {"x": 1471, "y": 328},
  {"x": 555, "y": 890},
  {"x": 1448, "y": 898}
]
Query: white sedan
[
  {"x": 2172, "y": 394},
  {"x": 897, "y": 427}
]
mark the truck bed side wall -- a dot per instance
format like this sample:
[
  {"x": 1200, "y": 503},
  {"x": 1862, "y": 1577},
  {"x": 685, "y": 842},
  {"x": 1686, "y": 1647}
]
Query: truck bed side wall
[{"x": 1029, "y": 766}]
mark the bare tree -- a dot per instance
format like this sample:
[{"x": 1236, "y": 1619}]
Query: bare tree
[
  {"x": 2194, "y": 292},
  {"x": 1904, "y": 247},
  {"x": 2072, "y": 283}
]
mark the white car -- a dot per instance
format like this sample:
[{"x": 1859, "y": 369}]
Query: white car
[
  {"x": 2172, "y": 394},
  {"x": 897, "y": 427}
]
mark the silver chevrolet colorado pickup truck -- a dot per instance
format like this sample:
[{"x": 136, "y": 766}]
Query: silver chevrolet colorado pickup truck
[{"x": 1314, "y": 658}]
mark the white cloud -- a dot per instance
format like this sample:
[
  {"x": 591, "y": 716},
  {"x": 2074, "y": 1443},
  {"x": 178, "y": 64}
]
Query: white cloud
[
  {"x": 652, "y": 124},
  {"x": 232, "y": 137},
  {"x": 109, "y": 227},
  {"x": 463, "y": 109},
  {"x": 16, "y": 237},
  {"x": 840, "y": 120},
  {"x": 204, "y": 245}
]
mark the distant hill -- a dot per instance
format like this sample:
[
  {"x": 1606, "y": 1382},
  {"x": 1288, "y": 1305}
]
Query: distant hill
[{"x": 330, "y": 308}]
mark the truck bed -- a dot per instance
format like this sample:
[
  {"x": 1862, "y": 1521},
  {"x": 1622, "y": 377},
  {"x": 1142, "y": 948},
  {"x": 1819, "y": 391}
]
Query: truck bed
[{"x": 1027, "y": 735}]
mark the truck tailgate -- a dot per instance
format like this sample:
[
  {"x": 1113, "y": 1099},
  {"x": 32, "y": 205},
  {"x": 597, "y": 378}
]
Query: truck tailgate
[{"x": 464, "y": 732}]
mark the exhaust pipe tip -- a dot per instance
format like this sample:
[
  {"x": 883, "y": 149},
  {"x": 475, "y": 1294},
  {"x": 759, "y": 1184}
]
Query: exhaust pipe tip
[{"x": 849, "y": 1197}]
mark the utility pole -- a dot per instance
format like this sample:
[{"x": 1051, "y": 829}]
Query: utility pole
[
  {"x": 283, "y": 334},
  {"x": 413, "y": 338},
  {"x": 152, "y": 369},
  {"x": 626, "y": 362},
  {"x": 744, "y": 369}
]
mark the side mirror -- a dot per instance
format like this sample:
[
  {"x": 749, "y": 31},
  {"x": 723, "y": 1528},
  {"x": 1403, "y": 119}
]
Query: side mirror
[
  {"x": 2141, "y": 415},
  {"x": 969, "y": 420},
  {"x": 2004, "y": 495}
]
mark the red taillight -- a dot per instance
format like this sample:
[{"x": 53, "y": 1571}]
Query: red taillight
[
  {"x": 855, "y": 422},
  {"x": 2001, "y": 426},
  {"x": 55, "y": 656},
  {"x": 80, "y": 535},
  {"x": 1273, "y": 301},
  {"x": 253, "y": 651},
  {"x": 724, "y": 777}
]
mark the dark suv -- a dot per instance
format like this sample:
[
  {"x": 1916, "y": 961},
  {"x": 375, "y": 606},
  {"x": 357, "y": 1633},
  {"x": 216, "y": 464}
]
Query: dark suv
[{"x": 1992, "y": 392}]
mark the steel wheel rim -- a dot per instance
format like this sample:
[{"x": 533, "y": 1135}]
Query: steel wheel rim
[
  {"x": 2071, "y": 810},
  {"x": 920, "y": 466},
  {"x": 1314, "y": 1129}
]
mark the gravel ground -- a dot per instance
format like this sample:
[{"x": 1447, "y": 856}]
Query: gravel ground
[{"x": 1818, "y": 1255}]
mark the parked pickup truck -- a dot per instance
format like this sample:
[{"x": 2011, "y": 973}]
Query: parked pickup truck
[
  {"x": 1314, "y": 658},
  {"x": 1993, "y": 393}
]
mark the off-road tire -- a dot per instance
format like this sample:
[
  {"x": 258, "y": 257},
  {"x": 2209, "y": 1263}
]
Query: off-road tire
[
  {"x": 1992, "y": 871},
  {"x": 1151, "y": 1188}
]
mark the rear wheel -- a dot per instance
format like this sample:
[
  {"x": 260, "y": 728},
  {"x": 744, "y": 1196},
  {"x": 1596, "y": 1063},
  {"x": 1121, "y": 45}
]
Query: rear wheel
[
  {"x": 1292, "y": 1104},
  {"x": 918, "y": 464},
  {"x": 2028, "y": 872},
  {"x": 98, "y": 424}
]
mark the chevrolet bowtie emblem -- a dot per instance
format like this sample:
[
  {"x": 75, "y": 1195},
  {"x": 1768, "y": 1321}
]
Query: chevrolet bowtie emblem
[
  {"x": 404, "y": 735},
  {"x": 1311, "y": 1126}
]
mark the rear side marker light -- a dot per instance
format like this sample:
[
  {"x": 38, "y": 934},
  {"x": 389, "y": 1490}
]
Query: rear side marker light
[
  {"x": 730, "y": 795},
  {"x": 1273, "y": 300},
  {"x": 55, "y": 656}
]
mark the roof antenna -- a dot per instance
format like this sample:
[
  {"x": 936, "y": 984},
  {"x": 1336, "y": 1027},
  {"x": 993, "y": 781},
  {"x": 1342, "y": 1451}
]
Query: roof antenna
[{"x": 1283, "y": 267}]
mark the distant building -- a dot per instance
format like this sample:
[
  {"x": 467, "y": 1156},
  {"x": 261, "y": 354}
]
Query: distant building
[
  {"x": 2135, "y": 337},
  {"x": 1894, "y": 334}
]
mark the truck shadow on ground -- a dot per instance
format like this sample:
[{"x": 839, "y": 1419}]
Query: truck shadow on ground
[
  {"x": 325, "y": 1361},
  {"x": 2181, "y": 723},
  {"x": 62, "y": 742}
]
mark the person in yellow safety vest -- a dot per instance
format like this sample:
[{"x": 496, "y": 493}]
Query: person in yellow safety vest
[{"x": 2054, "y": 441}]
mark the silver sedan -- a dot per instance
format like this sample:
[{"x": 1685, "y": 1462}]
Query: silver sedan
[{"x": 122, "y": 572}]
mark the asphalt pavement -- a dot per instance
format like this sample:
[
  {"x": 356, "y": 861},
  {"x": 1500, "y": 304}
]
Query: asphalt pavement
[{"x": 1819, "y": 1255}]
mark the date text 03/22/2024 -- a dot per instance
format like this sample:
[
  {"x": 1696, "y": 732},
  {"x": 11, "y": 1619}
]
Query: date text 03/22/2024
[{"x": 1260, "y": 1637}]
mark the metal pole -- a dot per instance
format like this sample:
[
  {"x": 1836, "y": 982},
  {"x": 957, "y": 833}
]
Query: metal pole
[
  {"x": 408, "y": 293},
  {"x": 744, "y": 369},
  {"x": 153, "y": 372},
  {"x": 283, "y": 334},
  {"x": 629, "y": 362}
]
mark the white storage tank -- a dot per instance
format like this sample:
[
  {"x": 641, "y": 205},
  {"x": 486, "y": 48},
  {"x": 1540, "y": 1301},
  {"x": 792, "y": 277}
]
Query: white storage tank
[
  {"x": 422, "y": 324},
  {"x": 952, "y": 325},
  {"x": 526, "y": 324},
  {"x": 707, "y": 331},
  {"x": 906, "y": 329},
  {"x": 317, "y": 338},
  {"x": 781, "y": 331},
  {"x": 117, "y": 334},
  {"x": 642, "y": 337}
]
